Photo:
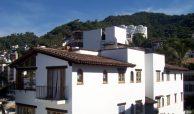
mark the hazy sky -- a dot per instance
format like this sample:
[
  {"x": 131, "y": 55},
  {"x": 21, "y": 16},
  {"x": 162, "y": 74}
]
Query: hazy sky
[{"x": 41, "y": 16}]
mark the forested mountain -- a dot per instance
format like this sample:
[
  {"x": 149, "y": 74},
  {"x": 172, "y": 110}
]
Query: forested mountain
[{"x": 160, "y": 26}]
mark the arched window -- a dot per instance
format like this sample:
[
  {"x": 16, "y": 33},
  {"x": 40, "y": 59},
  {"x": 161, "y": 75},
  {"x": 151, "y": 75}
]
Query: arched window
[
  {"x": 79, "y": 76},
  {"x": 132, "y": 77},
  {"x": 105, "y": 77}
]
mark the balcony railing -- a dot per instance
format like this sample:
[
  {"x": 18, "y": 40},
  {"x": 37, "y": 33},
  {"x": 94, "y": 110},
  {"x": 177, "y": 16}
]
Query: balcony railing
[{"x": 51, "y": 92}]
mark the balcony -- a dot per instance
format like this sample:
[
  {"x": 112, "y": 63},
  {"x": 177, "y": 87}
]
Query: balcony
[{"x": 51, "y": 93}]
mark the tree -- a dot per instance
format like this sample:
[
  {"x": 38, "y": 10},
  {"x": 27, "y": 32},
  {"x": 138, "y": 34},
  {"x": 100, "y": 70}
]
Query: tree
[
  {"x": 138, "y": 39},
  {"x": 175, "y": 51}
]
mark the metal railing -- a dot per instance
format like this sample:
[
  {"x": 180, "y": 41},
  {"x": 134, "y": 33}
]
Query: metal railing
[{"x": 51, "y": 92}]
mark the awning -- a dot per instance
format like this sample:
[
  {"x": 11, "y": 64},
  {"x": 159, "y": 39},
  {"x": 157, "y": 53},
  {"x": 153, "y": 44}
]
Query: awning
[
  {"x": 159, "y": 96},
  {"x": 149, "y": 101}
]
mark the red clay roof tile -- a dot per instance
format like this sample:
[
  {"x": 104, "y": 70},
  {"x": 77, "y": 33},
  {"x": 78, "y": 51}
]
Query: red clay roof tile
[{"x": 75, "y": 58}]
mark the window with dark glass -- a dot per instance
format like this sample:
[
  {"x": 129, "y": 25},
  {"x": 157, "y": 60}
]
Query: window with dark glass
[
  {"x": 175, "y": 99},
  {"x": 168, "y": 76},
  {"x": 157, "y": 75},
  {"x": 162, "y": 76},
  {"x": 55, "y": 83},
  {"x": 168, "y": 99},
  {"x": 175, "y": 76},
  {"x": 80, "y": 77},
  {"x": 121, "y": 108},
  {"x": 55, "y": 111},
  {"x": 162, "y": 102},
  {"x": 25, "y": 109},
  {"x": 121, "y": 75},
  {"x": 181, "y": 96},
  {"x": 105, "y": 77},
  {"x": 25, "y": 79},
  {"x": 158, "y": 103},
  {"x": 132, "y": 77},
  {"x": 181, "y": 76},
  {"x": 138, "y": 75}
]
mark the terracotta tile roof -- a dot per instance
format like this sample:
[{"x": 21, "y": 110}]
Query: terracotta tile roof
[
  {"x": 75, "y": 58},
  {"x": 175, "y": 67},
  {"x": 189, "y": 61}
]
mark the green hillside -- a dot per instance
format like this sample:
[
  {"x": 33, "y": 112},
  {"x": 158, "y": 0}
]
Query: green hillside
[
  {"x": 160, "y": 26},
  {"x": 174, "y": 31}
]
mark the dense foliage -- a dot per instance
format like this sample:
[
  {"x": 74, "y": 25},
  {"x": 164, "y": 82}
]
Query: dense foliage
[{"x": 173, "y": 29}]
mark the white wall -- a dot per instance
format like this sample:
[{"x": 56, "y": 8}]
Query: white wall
[
  {"x": 115, "y": 34},
  {"x": 88, "y": 52},
  {"x": 149, "y": 75},
  {"x": 170, "y": 88},
  {"x": 29, "y": 98},
  {"x": 113, "y": 53},
  {"x": 157, "y": 62},
  {"x": 92, "y": 39},
  {"x": 94, "y": 97}
]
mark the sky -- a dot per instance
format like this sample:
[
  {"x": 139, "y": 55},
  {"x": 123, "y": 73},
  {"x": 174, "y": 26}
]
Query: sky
[{"x": 41, "y": 16}]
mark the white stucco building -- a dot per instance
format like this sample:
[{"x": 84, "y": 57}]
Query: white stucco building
[
  {"x": 100, "y": 39},
  {"x": 74, "y": 83},
  {"x": 111, "y": 37},
  {"x": 164, "y": 84},
  {"x": 131, "y": 30},
  {"x": 109, "y": 81}
]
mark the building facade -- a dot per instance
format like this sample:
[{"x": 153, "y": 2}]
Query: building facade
[{"x": 109, "y": 81}]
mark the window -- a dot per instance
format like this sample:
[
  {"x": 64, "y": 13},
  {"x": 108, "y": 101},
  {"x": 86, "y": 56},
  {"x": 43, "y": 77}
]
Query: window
[
  {"x": 105, "y": 77},
  {"x": 181, "y": 76},
  {"x": 168, "y": 76},
  {"x": 168, "y": 99},
  {"x": 175, "y": 97},
  {"x": 55, "y": 83},
  {"x": 55, "y": 111},
  {"x": 132, "y": 77},
  {"x": 158, "y": 103},
  {"x": 121, "y": 108},
  {"x": 157, "y": 75},
  {"x": 181, "y": 96},
  {"x": 25, "y": 109},
  {"x": 29, "y": 79},
  {"x": 121, "y": 76},
  {"x": 80, "y": 77},
  {"x": 162, "y": 76},
  {"x": 25, "y": 79},
  {"x": 175, "y": 76},
  {"x": 138, "y": 76},
  {"x": 162, "y": 102}
]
